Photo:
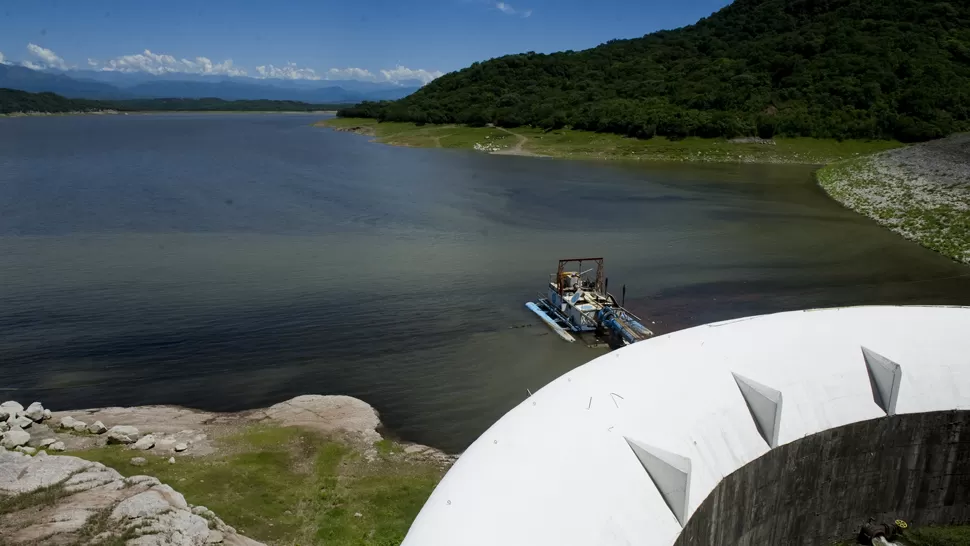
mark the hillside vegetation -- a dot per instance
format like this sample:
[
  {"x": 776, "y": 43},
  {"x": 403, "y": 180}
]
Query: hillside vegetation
[
  {"x": 815, "y": 68},
  {"x": 14, "y": 101}
]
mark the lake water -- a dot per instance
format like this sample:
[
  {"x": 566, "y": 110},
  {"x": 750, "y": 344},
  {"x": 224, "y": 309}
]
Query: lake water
[{"x": 232, "y": 261}]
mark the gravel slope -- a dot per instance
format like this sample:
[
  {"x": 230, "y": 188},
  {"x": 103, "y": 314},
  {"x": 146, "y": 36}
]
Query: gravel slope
[{"x": 921, "y": 192}]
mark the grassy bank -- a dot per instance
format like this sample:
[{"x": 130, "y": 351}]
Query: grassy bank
[
  {"x": 921, "y": 192},
  {"x": 570, "y": 144},
  {"x": 289, "y": 486}
]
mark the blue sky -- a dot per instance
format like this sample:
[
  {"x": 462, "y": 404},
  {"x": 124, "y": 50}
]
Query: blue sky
[{"x": 377, "y": 40}]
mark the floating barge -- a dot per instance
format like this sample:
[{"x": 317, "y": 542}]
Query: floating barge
[{"x": 577, "y": 302}]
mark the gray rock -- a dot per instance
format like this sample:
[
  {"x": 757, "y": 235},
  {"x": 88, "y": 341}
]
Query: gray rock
[
  {"x": 138, "y": 461},
  {"x": 80, "y": 426},
  {"x": 13, "y": 405},
  {"x": 22, "y": 422},
  {"x": 26, "y": 450},
  {"x": 35, "y": 412},
  {"x": 14, "y": 438},
  {"x": 171, "y": 460},
  {"x": 215, "y": 537},
  {"x": 7, "y": 413},
  {"x": 180, "y": 447},
  {"x": 47, "y": 442},
  {"x": 121, "y": 434},
  {"x": 57, "y": 446},
  {"x": 67, "y": 422},
  {"x": 47, "y": 414},
  {"x": 166, "y": 444},
  {"x": 144, "y": 443},
  {"x": 4, "y": 426},
  {"x": 97, "y": 427}
]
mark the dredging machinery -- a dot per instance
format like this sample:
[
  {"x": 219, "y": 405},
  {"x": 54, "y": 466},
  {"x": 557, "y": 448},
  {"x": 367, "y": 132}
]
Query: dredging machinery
[{"x": 578, "y": 302}]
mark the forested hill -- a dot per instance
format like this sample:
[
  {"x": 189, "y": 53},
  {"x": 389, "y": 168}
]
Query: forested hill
[
  {"x": 822, "y": 68},
  {"x": 15, "y": 101}
]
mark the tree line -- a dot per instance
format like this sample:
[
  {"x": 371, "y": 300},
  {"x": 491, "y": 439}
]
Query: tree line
[
  {"x": 816, "y": 68},
  {"x": 15, "y": 101}
]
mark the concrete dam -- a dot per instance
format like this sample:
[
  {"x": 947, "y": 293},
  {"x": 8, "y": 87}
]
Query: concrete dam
[{"x": 791, "y": 428}]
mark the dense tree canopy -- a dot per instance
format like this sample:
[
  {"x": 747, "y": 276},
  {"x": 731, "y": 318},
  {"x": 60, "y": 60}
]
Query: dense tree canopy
[
  {"x": 821, "y": 68},
  {"x": 12, "y": 100}
]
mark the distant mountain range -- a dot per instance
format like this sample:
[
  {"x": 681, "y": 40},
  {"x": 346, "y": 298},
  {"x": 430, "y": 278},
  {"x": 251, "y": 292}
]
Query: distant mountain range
[{"x": 89, "y": 84}]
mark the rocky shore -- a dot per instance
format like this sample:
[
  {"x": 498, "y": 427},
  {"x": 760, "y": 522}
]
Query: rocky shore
[
  {"x": 921, "y": 192},
  {"x": 50, "y": 498},
  {"x": 357, "y": 129}
]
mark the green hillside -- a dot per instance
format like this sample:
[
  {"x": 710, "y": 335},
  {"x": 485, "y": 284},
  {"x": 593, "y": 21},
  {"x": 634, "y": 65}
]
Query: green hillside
[{"x": 817, "y": 68}]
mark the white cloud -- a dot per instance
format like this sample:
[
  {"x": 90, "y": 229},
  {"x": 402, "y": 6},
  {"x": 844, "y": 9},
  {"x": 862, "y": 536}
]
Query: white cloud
[
  {"x": 158, "y": 64},
  {"x": 154, "y": 63},
  {"x": 509, "y": 10},
  {"x": 290, "y": 71},
  {"x": 399, "y": 73},
  {"x": 350, "y": 74},
  {"x": 48, "y": 58}
]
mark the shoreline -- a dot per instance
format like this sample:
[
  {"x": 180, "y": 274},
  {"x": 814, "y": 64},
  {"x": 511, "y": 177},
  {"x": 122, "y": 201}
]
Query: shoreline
[
  {"x": 571, "y": 144},
  {"x": 150, "y": 112},
  {"x": 345, "y": 416},
  {"x": 921, "y": 192}
]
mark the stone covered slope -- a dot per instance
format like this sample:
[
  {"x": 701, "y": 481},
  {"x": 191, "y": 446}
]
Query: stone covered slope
[
  {"x": 921, "y": 192},
  {"x": 60, "y": 500}
]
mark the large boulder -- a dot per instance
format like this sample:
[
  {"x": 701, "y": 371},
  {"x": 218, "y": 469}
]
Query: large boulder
[
  {"x": 14, "y": 438},
  {"x": 144, "y": 443},
  {"x": 80, "y": 426},
  {"x": 57, "y": 446},
  {"x": 6, "y": 414},
  {"x": 35, "y": 412},
  {"x": 21, "y": 422},
  {"x": 67, "y": 422},
  {"x": 97, "y": 427},
  {"x": 13, "y": 405},
  {"x": 123, "y": 434}
]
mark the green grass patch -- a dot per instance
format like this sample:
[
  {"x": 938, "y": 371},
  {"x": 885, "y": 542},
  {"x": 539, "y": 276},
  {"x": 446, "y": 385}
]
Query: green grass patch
[
  {"x": 289, "y": 486},
  {"x": 584, "y": 144},
  {"x": 571, "y": 144},
  {"x": 951, "y": 535}
]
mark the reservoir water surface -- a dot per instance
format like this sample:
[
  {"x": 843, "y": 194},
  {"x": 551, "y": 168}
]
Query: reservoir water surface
[{"x": 232, "y": 261}]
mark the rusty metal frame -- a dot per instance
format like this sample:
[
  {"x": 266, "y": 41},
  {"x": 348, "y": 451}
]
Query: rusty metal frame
[{"x": 599, "y": 272}]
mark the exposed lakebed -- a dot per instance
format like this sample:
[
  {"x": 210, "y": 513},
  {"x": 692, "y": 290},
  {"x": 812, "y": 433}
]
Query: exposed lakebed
[{"x": 227, "y": 262}]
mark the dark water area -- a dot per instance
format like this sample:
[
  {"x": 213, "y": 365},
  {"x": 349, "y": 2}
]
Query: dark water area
[{"x": 226, "y": 262}]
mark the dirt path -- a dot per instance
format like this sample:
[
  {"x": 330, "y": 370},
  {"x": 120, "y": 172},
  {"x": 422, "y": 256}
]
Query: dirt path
[{"x": 516, "y": 148}]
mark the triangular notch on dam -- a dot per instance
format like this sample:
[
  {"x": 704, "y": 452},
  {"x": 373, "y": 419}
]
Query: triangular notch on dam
[
  {"x": 670, "y": 473},
  {"x": 764, "y": 404},
  {"x": 884, "y": 378}
]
